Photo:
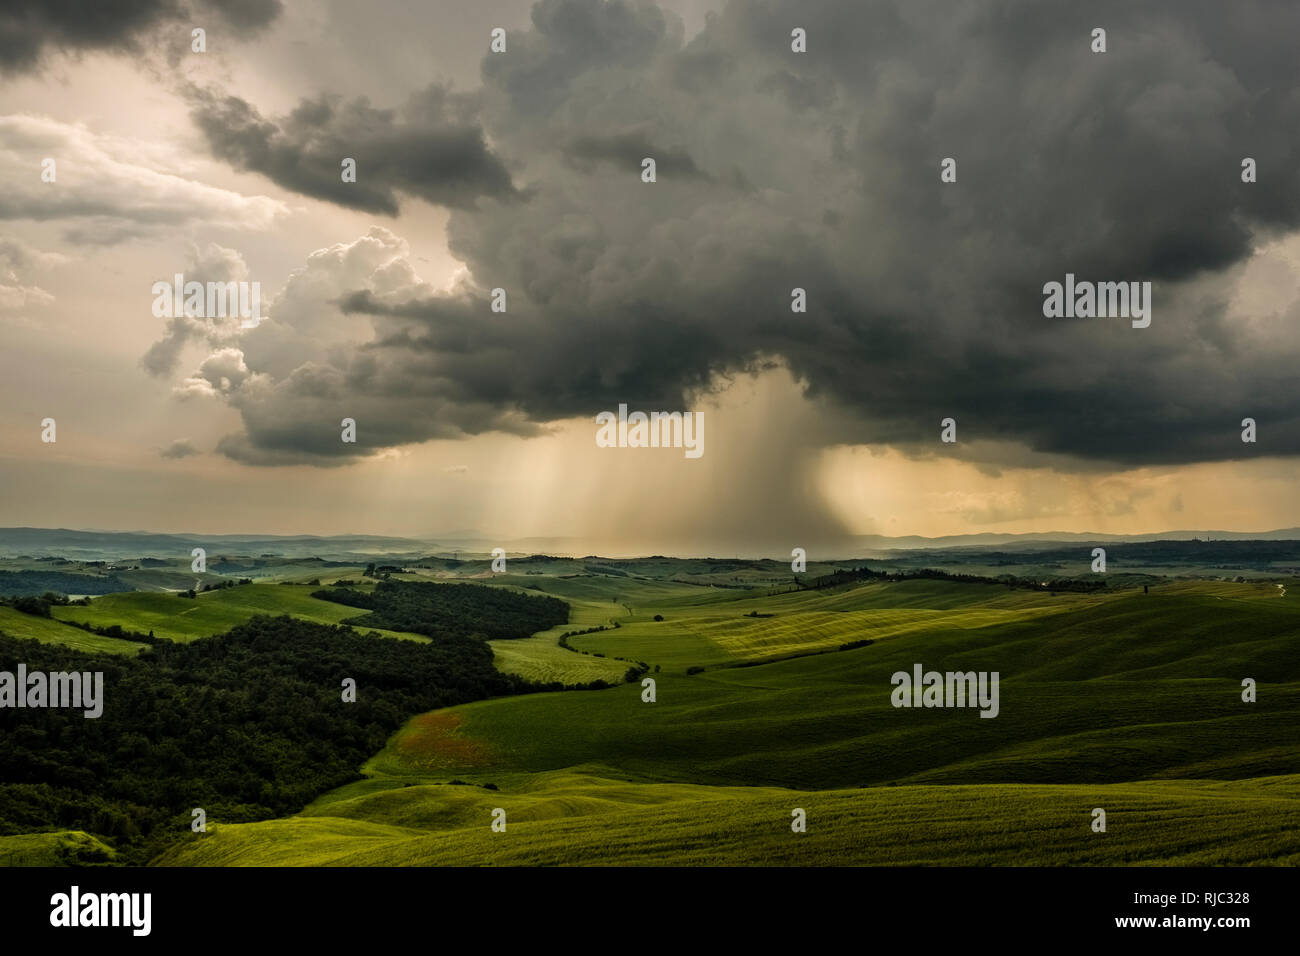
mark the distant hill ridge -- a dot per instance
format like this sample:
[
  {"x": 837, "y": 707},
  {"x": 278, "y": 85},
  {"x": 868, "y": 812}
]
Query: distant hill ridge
[{"x": 64, "y": 541}]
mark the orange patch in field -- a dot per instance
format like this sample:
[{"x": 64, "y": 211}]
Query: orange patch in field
[{"x": 432, "y": 742}]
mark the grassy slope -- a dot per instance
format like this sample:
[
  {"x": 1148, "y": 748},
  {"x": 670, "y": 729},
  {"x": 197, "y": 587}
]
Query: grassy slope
[
  {"x": 27, "y": 626},
  {"x": 1163, "y": 680},
  {"x": 710, "y": 626},
  {"x": 540, "y": 657},
  {"x": 212, "y": 612},
  {"x": 1096, "y": 694},
  {"x": 569, "y": 819},
  {"x": 57, "y": 848},
  {"x": 713, "y": 627}
]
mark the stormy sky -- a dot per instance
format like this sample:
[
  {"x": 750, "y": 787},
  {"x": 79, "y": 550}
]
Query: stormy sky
[{"x": 775, "y": 170}]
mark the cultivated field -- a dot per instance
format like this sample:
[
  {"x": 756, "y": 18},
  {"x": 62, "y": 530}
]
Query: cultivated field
[{"x": 210, "y": 612}]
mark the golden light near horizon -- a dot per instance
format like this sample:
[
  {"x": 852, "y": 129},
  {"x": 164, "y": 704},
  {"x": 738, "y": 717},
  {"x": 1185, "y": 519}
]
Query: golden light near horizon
[{"x": 884, "y": 492}]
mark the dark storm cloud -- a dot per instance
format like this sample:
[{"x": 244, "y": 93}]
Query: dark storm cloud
[
  {"x": 458, "y": 347},
  {"x": 627, "y": 150},
  {"x": 299, "y": 420},
  {"x": 431, "y": 152},
  {"x": 925, "y": 298},
  {"x": 29, "y": 29},
  {"x": 571, "y": 39}
]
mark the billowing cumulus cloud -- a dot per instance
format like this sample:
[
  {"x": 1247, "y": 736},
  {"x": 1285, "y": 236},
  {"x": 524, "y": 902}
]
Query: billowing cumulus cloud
[
  {"x": 819, "y": 171},
  {"x": 214, "y": 263},
  {"x": 222, "y": 373},
  {"x": 313, "y": 362}
]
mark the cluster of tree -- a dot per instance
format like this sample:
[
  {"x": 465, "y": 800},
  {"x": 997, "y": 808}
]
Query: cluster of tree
[
  {"x": 851, "y": 575},
  {"x": 30, "y": 583},
  {"x": 433, "y": 562},
  {"x": 224, "y": 566},
  {"x": 564, "y": 643},
  {"x": 597, "y": 684},
  {"x": 218, "y": 585},
  {"x": 40, "y": 606},
  {"x": 115, "y": 630},
  {"x": 606, "y": 569},
  {"x": 1260, "y": 555},
  {"x": 713, "y": 584},
  {"x": 247, "y": 725},
  {"x": 425, "y": 607},
  {"x": 564, "y": 638},
  {"x": 1056, "y": 584}
]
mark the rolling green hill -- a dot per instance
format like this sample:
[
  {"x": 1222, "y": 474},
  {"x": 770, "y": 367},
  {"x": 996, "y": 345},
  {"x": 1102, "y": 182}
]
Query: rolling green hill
[
  {"x": 574, "y": 820},
  {"x": 1114, "y": 699},
  {"x": 1136, "y": 687},
  {"x": 1123, "y": 700},
  {"x": 712, "y": 626},
  {"x": 57, "y": 848},
  {"x": 211, "y": 612},
  {"x": 541, "y": 658},
  {"x": 706, "y": 625},
  {"x": 50, "y": 631}
]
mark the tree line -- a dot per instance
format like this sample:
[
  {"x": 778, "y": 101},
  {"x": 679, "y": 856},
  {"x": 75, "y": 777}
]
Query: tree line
[
  {"x": 465, "y": 610},
  {"x": 247, "y": 725}
]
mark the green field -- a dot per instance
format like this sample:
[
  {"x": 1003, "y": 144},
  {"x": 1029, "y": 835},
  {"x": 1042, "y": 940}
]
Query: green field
[
  {"x": 570, "y": 819},
  {"x": 1123, "y": 700},
  {"x": 715, "y": 627},
  {"x": 1116, "y": 699},
  {"x": 709, "y": 626},
  {"x": 57, "y": 848},
  {"x": 1138, "y": 686},
  {"x": 540, "y": 657},
  {"x": 211, "y": 612},
  {"x": 17, "y": 624}
]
